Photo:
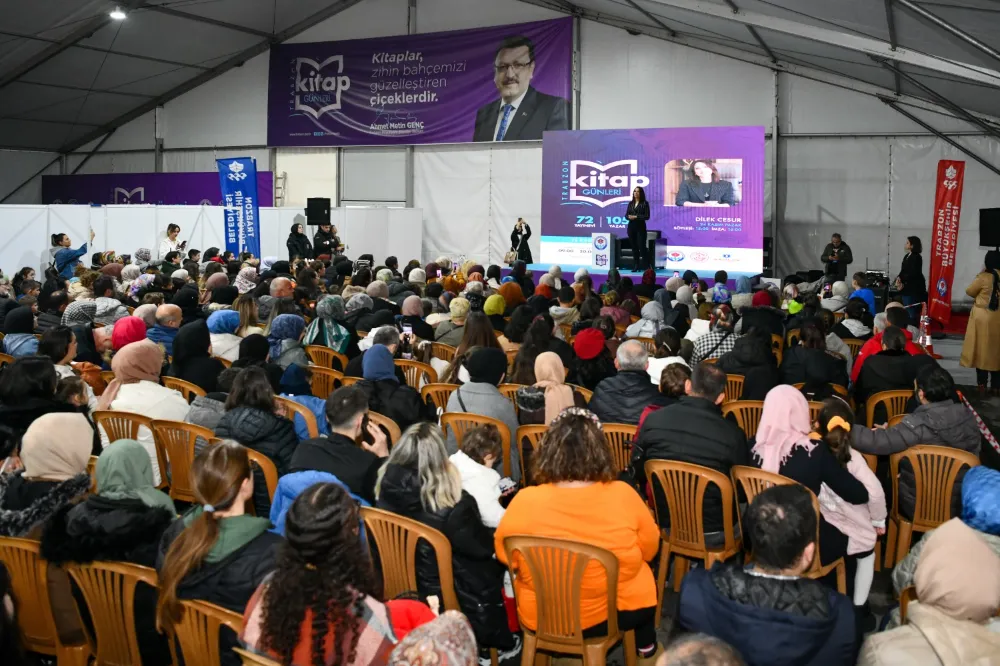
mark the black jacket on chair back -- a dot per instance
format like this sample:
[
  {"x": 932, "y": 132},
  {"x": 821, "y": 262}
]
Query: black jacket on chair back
[
  {"x": 478, "y": 575},
  {"x": 814, "y": 367},
  {"x": 757, "y": 365},
  {"x": 265, "y": 433},
  {"x": 621, "y": 398},
  {"x": 396, "y": 400}
]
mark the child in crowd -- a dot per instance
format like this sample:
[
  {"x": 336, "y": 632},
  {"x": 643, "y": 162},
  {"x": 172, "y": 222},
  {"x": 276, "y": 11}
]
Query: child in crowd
[
  {"x": 72, "y": 390},
  {"x": 720, "y": 292},
  {"x": 861, "y": 290}
]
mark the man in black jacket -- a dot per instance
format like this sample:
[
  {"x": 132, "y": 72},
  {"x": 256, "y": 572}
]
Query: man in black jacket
[
  {"x": 623, "y": 397},
  {"x": 356, "y": 465},
  {"x": 386, "y": 335},
  {"x": 836, "y": 257},
  {"x": 892, "y": 369},
  {"x": 694, "y": 431},
  {"x": 52, "y": 316}
]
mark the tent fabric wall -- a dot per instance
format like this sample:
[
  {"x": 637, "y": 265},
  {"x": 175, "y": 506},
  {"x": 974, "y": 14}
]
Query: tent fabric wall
[{"x": 17, "y": 166}]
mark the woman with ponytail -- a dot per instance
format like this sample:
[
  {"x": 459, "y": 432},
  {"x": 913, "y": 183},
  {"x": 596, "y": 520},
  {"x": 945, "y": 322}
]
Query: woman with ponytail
[
  {"x": 216, "y": 552},
  {"x": 860, "y": 522},
  {"x": 319, "y": 607}
]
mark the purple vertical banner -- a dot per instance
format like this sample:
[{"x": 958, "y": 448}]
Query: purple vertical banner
[
  {"x": 705, "y": 187},
  {"x": 509, "y": 83},
  {"x": 183, "y": 188}
]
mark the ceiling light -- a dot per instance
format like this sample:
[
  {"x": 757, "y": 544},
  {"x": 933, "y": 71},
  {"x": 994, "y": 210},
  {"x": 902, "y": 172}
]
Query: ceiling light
[{"x": 117, "y": 14}]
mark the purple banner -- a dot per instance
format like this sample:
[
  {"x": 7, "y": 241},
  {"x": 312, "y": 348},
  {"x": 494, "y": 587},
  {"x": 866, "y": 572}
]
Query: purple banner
[
  {"x": 187, "y": 188},
  {"x": 508, "y": 83},
  {"x": 704, "y": 185}
]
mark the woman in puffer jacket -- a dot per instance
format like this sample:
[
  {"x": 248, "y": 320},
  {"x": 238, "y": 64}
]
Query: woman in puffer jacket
[{"x": 252, "y": 419}]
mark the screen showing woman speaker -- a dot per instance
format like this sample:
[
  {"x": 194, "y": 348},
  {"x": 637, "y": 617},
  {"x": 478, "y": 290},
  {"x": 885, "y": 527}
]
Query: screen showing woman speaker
[{"x": 703, "y": 182}]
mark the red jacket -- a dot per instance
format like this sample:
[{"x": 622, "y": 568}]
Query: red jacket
[{"x": 874, "y": 345}]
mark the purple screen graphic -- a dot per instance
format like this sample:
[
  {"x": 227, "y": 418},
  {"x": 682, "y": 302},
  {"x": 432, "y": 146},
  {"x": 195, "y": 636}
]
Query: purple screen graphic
[
  {"x": 186, "y": 188},
  {"x": 415, "y": 89},
  {"x": 588, "y": 178}
]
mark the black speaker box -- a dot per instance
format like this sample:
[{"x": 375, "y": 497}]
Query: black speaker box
[
  {"x": 318, "y": 211},
  {"x": 989, "y": 227}
]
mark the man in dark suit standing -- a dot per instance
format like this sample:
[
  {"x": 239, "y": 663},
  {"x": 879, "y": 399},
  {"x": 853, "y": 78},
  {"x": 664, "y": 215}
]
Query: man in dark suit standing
[{"x": 522, "y": 113}]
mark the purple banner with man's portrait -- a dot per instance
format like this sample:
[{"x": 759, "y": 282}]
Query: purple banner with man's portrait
[
  {"x": 191, "y": 188},
  {"x": 506, "y": 83},
  {"x": 704, "y": 187}
]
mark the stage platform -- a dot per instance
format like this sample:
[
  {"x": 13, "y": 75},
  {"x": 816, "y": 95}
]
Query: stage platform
[{"x": 599, "y": 275}]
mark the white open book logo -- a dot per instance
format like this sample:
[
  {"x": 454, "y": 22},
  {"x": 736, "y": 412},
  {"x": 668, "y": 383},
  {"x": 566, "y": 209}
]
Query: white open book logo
[
  {"x": 315, "y": 93},
  {"x": 591, "y": 183}
]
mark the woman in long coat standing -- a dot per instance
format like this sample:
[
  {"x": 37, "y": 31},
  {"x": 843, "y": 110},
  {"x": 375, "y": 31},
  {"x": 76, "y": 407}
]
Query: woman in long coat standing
[
  {"x": 519, "y": 241},
  {"x": 981, "y": 349}
]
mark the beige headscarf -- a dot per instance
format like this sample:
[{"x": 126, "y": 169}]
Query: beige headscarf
[
  {"x": 133, "y": 363},
  {"x": 958, "y": 573},
  {"x": 57, "y": 446},
  {"x": 550, "y": 375}
]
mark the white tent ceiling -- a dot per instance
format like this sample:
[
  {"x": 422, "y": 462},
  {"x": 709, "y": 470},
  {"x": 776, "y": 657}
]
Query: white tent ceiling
[{"x": 69, "y": 74}]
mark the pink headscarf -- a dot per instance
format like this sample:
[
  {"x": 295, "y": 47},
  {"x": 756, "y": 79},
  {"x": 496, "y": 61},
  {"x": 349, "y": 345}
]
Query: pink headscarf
[{"x": 784, "y": 425}]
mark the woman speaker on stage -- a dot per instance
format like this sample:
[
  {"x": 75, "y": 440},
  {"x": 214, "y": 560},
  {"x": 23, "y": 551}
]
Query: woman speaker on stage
[
  {"x": 637, "y": 214},
  {"x": 519, "y": 249}
]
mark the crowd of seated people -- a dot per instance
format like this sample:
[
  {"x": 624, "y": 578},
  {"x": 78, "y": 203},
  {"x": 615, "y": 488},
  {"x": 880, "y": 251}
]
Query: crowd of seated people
[{"x": 235, "y": 331}]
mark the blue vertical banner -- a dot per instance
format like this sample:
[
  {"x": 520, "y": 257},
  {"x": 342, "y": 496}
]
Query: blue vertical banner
[{"x": 238, "y": 178}]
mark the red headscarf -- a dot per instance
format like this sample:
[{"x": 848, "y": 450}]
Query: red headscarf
[
  {"x": 761, "y": 299},
  {"x": 544, "y": 291},
  {"x": 126, "y": 331}
]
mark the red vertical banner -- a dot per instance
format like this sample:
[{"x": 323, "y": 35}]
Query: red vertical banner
[{"x": 947, "y": 209}]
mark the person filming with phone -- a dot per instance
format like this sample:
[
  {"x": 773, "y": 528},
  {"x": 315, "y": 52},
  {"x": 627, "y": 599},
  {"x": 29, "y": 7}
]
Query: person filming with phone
[{"x": 170, "y": 243}]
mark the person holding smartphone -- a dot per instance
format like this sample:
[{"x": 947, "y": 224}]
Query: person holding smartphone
[{"x": 170, "y": 242}]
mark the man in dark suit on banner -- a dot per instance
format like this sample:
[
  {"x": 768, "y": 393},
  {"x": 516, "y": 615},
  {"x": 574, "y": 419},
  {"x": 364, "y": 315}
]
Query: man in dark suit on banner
[{"x": 522, "y": 113}]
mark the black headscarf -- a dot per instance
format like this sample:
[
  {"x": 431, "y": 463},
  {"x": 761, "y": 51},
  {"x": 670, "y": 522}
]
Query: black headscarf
[
  {"x": 487, "y": 365},
  {"x": 518, "y": 270},
  {"x": 281, "y": 267},
  {"x": 493, "y": 272},
  {"x": 187, "y": 300},
  {"x": 689, "y": 277},
  {"x": 253, "y": 352},
  {"x": 191, "y": 360},
  {"x": 19, "y": 320},
  {"x": 993, "y": 265},
  {"x": 225, "y": 295}
]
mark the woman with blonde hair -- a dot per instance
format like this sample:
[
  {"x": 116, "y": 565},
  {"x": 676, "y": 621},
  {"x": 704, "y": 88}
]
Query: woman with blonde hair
[
  {"x": 418, "y": 481},
  {"x": 216, "y": 552},
  {"x": 246, "y": 306}
]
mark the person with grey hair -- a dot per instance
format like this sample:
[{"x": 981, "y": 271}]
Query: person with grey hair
[
  {"x": 623, "y": 397},
  {"x": 281, "y": 288},
  {"x": 384, "y": 335},
  {"x": 700, "y": 650}
]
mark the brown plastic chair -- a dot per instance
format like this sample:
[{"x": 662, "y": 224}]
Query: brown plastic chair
[
  {"x": 871, "y": 459},
  {"x": 187, "y": 389},
  {"x": 906, "y": 597},
  {"x": 895, "y": 420},
  {"x": 175, "y": 442},
  {"x": 438, "y": 394},
  {"x": 683, "y": 486},
  {"x": 392, "y": 428},
  {"x": 362, "y": 334},
  {"x": 734, "y": 387},
  {"x": 197, "y": 632},
  {"x": 511, "y": 356},
  {"x": 533, "y": 435},
  {"x": 620, "y": 330},
  {"x": 324, "y": 381},
  {"x": 323, "y": 356},
  {"x": 224, "y": 361},
  {"x": 648, "y": 343},
  {"x": 267, "y": 467},
  {"x": 567, "y": 332},
  {"x": 460, "y": 422},
  {"x": 109, "y": 591},
  {"x": 292, "y": 408},
  {"x": 509, "y": 391},
  {"x": 777, "y": 346},
  {"x": 6, "y": 359},
  {"x": 642, "y": 301},
  {"x": 747, "y": 413},
  {"x": 92, "y": 473},
  {"x": 935, "y": 471},
  {"x": 894, "y": 402},
  {"x": 556, "y": 568},
  {"x": 619, "y": 437},
  {"x": 710, "y": 361},
  {"x": 29, "y": 581},
  {"x": 252, "y": 659},
  {"x": 121, "y": 425},
  {"x": 792, "y": 336},
  {"x": 108, "y": 376},
  {"x": 854, "y": 345},
  {"x": 839, "y": 317},
  {"x": 753, "y": 481},
  {"x": 416, "y": 371},
  {"x": 349, "y": 381},
  {"x": 442, "y": 351},
  {"x": 815, "y": 407},
  {"x": 586, "y": 393}
]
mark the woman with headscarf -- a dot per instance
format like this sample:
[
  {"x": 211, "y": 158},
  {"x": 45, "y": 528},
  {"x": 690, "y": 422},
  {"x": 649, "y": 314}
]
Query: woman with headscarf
[
  {"x": 544, "y": 290},
  {"x": 451, "y": 332},
  {"x": 361, "y": 315},
  {"x": 298, "y": 244},
  {"x": 126, "y": 331},
  {"x": 386, "y": 395},
  {"x": 326, "y": 328},
  {"x": 246, "y": 280},
  {"x": 685, "y": 295},
  {"x": 512, "y": 295},
  {"x": 446, "y": 641},
  {"x": 647, "y": 287},
  {"x": 783, "y": 446},
  {"x": 113, "y": 270},
  {"x": 413, "y": 316},
  {"x": 122, "y": 522},
  {"x": 494, "y": 308},
  {"x": 129, "y": 275},
  {"x": 136, "y": 388},
  {"x": 840, "y": 292},
  {"x": 614, "y": 310},
  {"x": 147, "y": 313},
  {"x": 649, "y": 324},
  {"x": 544, "y": 401},
  {"x": 519, "y": 272},
  {"x": 611, "y": 282},
  {"x": 19, "y": 332},
  {"x": 378, "y": 291},
  {"x": 222, "y": 327},
  {"x": 213, "y": 282},
  {"x": 285, "y": 340},
  {"x": 187, "y": 301},
  {"x": 192, "y": 359},
  {"x": 139, "y": 286},
  {"x": 958, "y": 587},
  {"x": 222, "y": 298},
  {"x": 672, "y": 285},
  {"x": 742, "y": 297},
  {"x": 255, "y": 352},
  {"x": 494, "y": 275},
  {"x": 980, "y": 349}
]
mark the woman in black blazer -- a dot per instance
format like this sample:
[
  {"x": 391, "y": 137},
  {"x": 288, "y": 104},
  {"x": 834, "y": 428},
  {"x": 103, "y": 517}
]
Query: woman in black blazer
[
  {"x": 704, "y": 187},
  {"x": 519, "y": 241},
  {"x": 911, "y": 283},
  {"x": 637, "y": 214}
]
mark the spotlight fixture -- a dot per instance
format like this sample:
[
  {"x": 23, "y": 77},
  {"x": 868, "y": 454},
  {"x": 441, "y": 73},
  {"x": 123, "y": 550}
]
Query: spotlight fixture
[{"x": 117, "y": 14}]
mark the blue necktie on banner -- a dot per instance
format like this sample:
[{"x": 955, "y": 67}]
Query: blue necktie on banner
[
  {"x": 507, "y": 108},
  {"x": 238, "y": 179}
]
